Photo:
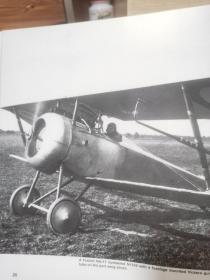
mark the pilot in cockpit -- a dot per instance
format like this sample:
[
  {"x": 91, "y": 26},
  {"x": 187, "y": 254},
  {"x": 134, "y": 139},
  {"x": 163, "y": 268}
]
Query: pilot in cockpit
[{"x": 111, "y": 132}]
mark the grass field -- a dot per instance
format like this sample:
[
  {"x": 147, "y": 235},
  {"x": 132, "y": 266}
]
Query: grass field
[{"x": 122, "y": 226}]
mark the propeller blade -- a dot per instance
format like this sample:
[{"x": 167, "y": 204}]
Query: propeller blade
[
  {"x": 18, "y": 158},
  {"x": 38, "y": 111}
]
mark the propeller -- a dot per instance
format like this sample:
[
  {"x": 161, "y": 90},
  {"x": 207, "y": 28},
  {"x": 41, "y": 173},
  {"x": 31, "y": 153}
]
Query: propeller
[{"x": 39, "y": 109}]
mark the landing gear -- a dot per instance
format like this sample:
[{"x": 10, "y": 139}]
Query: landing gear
[
  {"x": 18, "y": 205},
  {"x": 63, "y": 215}
]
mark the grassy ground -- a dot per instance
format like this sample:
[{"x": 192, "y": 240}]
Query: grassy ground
[{"x": 123, "y": 226}]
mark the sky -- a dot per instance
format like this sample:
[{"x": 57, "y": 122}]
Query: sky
[{"x": 177, "y": 127}]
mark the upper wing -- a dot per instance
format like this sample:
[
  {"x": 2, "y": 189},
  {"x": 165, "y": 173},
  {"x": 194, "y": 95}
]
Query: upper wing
[{"x": 158, "y": 102}]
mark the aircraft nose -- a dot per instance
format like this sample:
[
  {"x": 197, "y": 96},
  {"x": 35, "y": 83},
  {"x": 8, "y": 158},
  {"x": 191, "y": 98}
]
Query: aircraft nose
[{"x": 49, "y": 143}]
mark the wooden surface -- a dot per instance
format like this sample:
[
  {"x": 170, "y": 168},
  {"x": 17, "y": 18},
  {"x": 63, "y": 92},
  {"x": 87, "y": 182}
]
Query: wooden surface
[
  {"x": 120, "y": 8},
  {"x": 81, "y": 9},
  {"x": 135, "y": 7},
  {"x": 27, "y": 13}
]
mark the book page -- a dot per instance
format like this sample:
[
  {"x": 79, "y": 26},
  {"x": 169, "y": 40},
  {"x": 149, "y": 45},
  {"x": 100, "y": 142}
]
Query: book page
[
  {"x": 103, "y": 163},
  {"x": 127, "y": 53}
]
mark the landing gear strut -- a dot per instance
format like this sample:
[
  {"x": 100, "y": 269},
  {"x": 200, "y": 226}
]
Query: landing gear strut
[
  {"x": 18, "y": 199},
  {"x": 63, "y": 216}
]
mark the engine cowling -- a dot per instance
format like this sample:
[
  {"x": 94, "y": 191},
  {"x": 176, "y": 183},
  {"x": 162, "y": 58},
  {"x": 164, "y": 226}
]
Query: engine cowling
[{"x": 49, "y": 143}]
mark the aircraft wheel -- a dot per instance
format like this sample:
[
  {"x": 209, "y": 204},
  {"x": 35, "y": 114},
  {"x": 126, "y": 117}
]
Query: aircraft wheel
[
  {"x": 18, "y": 198},
  {"x": 64, "y": 216}
]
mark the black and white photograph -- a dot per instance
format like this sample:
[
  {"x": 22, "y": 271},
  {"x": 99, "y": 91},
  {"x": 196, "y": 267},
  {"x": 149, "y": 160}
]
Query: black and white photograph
[{"x": 105, "y": 140}]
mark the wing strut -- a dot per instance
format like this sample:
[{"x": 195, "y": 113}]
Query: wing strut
[
  {"x": 23, "y": 136},
  {"x": 75, "y": 112},
  {"x": 175, "y": 137},
  {"x": 197, "y": 136},
  {"x": 198, "y": 142}
]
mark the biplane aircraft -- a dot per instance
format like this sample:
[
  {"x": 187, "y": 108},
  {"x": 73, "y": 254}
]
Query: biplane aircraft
[
  {"x": 68, "y": 137},
  {"x": 150, "y": 67}
]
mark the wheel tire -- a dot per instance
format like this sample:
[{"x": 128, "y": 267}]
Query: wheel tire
[
  {"x": 18, "y": 198},
  {"x": 64, "y": 216}
]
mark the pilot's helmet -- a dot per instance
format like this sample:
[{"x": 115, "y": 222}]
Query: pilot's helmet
[{"x": 111, "y": 127}]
